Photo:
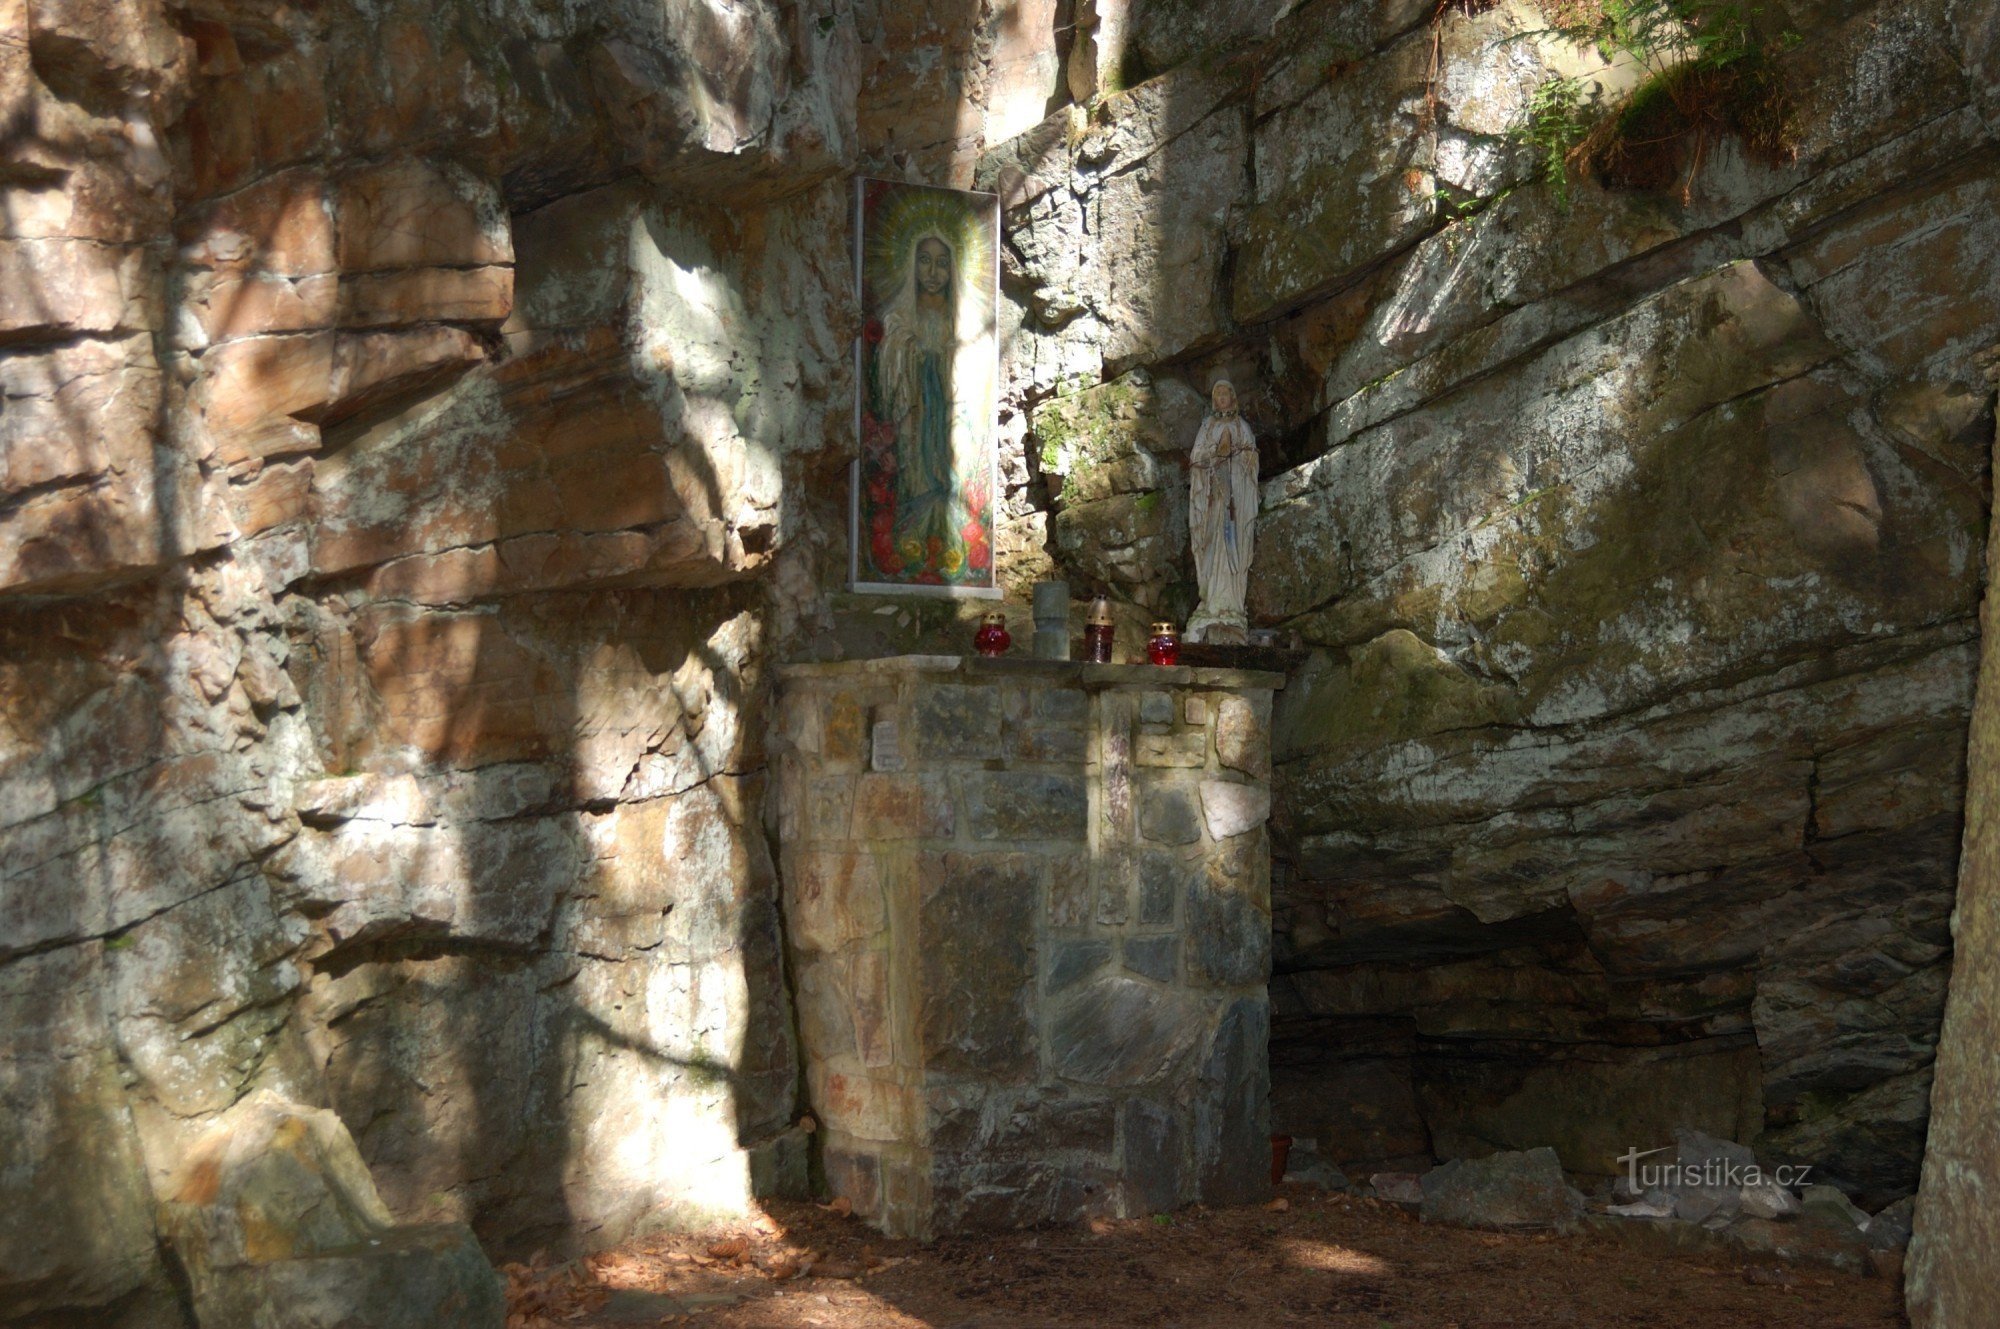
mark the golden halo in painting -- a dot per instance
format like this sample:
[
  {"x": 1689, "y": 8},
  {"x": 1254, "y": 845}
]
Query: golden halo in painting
[{"x": 906, "y": 217}]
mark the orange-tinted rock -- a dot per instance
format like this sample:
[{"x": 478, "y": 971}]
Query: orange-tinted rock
[
  {"x": 221, "y": 121},
  {"x": 70, "y": 539},
  {"x": 216, "y": 307},
  {"x": 413, "y": 213},
  {"x": 256, "y": 396},
  {"x": 555, "y": 561},
  {"x": 130, "y": 46},
  {"x": 455, "y": 687},
  {"x": 288, "y": 106},
  {"x": 112, "y": 385},
  {"x": 17, "y": 80},
  {"x": 275, "y": 495},
  {"x": 381, "y": 76},
  {"x": 372, "y": 368},
  {"x": 63, "y": 287},
  {"x": 427, "y": 295},
  {"x": 280, "y": 225}
]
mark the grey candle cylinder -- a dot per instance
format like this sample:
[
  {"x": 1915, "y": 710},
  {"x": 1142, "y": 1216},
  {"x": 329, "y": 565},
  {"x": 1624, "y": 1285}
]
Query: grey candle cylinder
[{"x": 1052, "y": 620}]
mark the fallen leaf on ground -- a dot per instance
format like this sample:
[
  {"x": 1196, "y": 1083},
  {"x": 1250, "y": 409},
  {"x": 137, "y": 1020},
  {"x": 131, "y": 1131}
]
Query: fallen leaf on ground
[
  {"x": 1279, "y": 1205},
  {"x": 841, "y": 1205},
  {"x": 729, "y": 1249}
]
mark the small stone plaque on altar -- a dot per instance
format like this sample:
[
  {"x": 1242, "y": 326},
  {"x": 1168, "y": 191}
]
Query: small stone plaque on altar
[{"x": 885, "y": 747}]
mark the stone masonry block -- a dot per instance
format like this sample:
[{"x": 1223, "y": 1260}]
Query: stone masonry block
[
  {"x": 1154, "y": 1166},
  {"x": 1232, "y": 1110},
  {"x": 1051, "y": 743},
  {"x": 844, "y": 732},
  {"x": 1004, "y": 805},
  {"x": 955, "y": 720},
  {"x": 1157, "y": 958},
  {"x": 977, "y": 926},
  {"x": 902, "y": 807},
  {"x": 1167, "y": 812},
  {"x": 868, "y": 987},
  {"x": 866, "y": 1107},
  {"x": 1163, "y": 879},
  {"x": 1185, "y": 748},
  {"x": 1112, "y": 870},
  {"x": 1242, "y": 737},
  {"x": 1071, "y": 962},
  {"x": 834, "y": 897},
  {"x": 1062, "y": 706},
  {"x": 1115, "y": 720},
  {"x": 829, "y": 808},
  {"x": 1119, "y": 1032},
  {"x": 1068, "y": 892},
  {"x": 1229, "y": 937},
  {"x": 1232, "y": 809}
]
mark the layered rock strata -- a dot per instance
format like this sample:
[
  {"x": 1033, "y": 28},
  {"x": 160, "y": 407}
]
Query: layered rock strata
[
  {"x": 1639, "y": 534},
  {"x": 407, "y": 418}
]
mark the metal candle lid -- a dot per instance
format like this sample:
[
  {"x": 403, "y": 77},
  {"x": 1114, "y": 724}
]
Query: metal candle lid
[
  {"x": 994, "y": 619},
  {"x": 1100, "y": 612},
  {"x": 1163, "y": 629}
]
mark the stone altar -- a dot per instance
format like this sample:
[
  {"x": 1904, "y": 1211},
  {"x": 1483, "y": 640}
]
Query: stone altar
[{"x": 1029, "y": 907}]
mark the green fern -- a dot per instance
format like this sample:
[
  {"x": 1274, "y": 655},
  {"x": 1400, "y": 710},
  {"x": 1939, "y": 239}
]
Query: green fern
[
  {"x": 1558, "y": 118},
  {"x": 1698, "y": 64}
]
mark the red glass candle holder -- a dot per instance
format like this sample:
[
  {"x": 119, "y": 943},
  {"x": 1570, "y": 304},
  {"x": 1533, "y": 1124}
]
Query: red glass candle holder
[
  {"x": 1097, "y": 632},
  {"x": 1163, "y": 645},
  {"x": 992, "y": 639}
]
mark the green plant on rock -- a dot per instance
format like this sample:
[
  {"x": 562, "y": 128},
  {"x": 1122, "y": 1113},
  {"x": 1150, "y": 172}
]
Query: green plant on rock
[
  {"x": 1557, "y": 120},
  {"x": 1701, "y": 71}
]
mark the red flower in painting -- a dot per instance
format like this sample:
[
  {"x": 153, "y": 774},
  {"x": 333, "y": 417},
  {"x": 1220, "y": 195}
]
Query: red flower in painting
[
  {"x": 879, "y": 437},
  {"x": 882, "y": 542},
  {"x": 975, "y": 498}
]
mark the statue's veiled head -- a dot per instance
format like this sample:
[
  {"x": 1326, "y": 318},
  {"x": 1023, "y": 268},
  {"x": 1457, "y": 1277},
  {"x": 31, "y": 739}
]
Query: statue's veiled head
[{"x": 1222, "y": 397}]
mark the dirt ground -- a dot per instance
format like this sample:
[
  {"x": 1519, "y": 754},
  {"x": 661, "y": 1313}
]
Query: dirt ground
[{"x": 1324, "y": 1260}]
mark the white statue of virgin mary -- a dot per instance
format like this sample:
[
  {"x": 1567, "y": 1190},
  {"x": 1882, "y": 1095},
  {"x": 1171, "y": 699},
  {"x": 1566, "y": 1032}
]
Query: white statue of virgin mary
[{"x": 1222, "y": 518}]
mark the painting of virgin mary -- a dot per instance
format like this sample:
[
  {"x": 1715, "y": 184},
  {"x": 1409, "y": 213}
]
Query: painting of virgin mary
[{"x": 927, "y": 372}]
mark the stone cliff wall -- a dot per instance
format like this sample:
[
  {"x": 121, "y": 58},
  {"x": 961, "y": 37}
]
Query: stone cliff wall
[
  {"x": 422, "y": 426},
  {"x": 1639, "y": 536},
  {"x": 405, "y": 413}
]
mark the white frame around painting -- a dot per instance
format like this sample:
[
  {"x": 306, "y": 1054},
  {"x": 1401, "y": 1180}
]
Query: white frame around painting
[{"x": 977, "y": 432}]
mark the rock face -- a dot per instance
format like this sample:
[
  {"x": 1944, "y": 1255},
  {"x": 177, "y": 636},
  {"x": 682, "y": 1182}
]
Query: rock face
[
  {"x": 275, "y": 1222},
  {"x": 413, "y": 419},
  {"x": 1639, "y": 538},
  {"x": 1955, "y": 1234},
  {"x": 423, "y": 424}
]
